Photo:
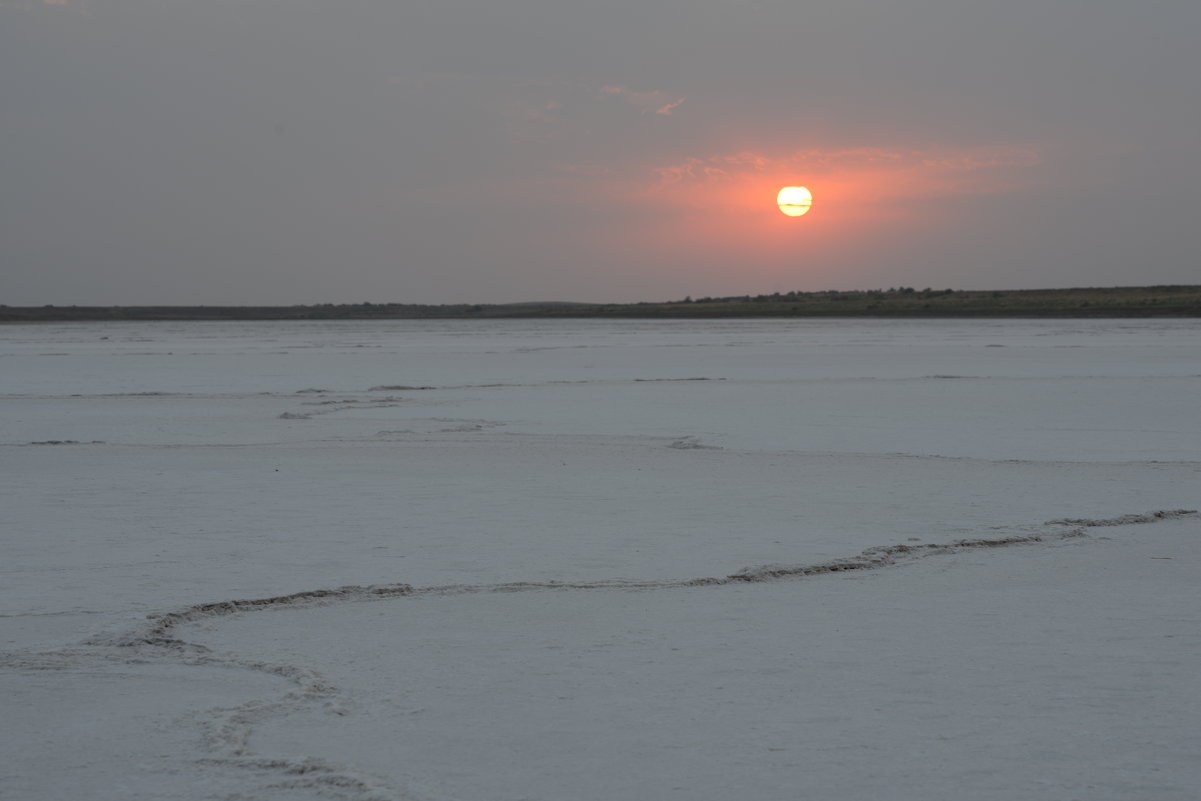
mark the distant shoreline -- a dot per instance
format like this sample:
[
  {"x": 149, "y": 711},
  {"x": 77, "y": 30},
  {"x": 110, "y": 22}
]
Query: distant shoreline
[{"x": 898, "y": 302}]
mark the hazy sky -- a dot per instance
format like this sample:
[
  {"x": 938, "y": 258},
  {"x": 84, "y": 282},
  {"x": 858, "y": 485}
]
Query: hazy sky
[{"x": 436, "y": 151}]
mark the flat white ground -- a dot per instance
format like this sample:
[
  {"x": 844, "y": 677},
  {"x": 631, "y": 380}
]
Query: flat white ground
[{"x": 548, "y": 490}]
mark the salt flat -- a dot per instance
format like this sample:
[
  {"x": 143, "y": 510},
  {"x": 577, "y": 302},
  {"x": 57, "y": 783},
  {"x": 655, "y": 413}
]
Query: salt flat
[{"x": 530, "y": 500}]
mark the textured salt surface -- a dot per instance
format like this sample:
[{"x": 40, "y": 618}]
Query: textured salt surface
[
  {"x": 228, "y": 731},
  {"x": 159, "y": 632},
  {"x": 522, "y": 536},
  {"x": 1048, "y": 670}
]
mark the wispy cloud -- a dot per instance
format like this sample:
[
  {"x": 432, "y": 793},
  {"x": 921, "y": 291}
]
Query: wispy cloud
[
  {"x": 940, "y": 171},
  {"x": 654, "y": 101},
  {"x": 668, "y": 108}
]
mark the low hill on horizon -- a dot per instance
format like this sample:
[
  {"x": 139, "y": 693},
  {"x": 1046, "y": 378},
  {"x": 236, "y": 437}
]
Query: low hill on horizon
[{"x": 896, "y": 302}]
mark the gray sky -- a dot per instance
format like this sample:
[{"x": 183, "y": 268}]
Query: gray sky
[{"x": 437, "y": 151}]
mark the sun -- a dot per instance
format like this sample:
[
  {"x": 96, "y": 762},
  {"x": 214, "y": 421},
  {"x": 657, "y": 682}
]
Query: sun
[{"x": 794, "y": 200}]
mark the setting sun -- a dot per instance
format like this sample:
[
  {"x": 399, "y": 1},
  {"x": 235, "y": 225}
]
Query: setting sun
[{"x": 794, "y": 200}]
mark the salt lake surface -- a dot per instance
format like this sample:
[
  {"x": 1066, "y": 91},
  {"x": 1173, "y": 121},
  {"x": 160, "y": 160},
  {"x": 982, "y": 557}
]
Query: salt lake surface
[{"x": 596, "y": 559}]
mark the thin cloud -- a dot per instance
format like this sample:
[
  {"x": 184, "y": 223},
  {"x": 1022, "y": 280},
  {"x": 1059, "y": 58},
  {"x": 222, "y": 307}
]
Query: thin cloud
[
  {"x": 942, "y": 171},
  {"x": 667, "y": 108},
  {"x": 654, "y": 101}
]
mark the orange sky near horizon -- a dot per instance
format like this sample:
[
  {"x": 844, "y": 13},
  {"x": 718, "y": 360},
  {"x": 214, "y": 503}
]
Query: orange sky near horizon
[
  {"x": 723, "y": 209},
  {"x": 714, "y": 220}
]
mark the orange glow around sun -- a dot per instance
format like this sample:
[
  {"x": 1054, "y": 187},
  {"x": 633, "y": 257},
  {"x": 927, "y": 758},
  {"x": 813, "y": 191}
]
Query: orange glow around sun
[{"x": 712, "y": 217}]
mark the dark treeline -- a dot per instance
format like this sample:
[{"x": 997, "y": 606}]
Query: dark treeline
[{"x": 1151, "y": 301}]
